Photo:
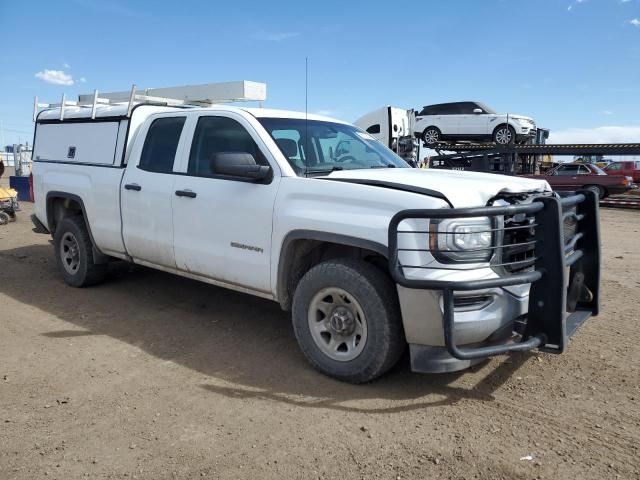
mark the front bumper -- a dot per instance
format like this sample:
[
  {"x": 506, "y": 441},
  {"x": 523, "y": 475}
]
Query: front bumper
[{"x": 563, "y": 273}]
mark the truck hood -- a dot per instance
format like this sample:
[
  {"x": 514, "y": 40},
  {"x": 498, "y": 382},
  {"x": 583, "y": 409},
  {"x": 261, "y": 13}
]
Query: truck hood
[{"x": 461, "y": 189}]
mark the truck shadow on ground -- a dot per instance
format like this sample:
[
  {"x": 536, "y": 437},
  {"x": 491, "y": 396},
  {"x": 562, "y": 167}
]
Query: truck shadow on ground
[{"x": 243, "y": 344}]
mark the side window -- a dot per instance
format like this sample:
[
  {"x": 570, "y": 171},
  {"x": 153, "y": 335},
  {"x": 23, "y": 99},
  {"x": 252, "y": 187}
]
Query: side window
[
  {"x": 450, "y": 109},
  {"x": 215, "y": 135},
  {"x": 159, "y": 149},
  {"x": 584, "y": 170},
  {"x": 614, "y": 167},
  {"x": 467, "y": 107},
  {"x": 568, "y": 170},
  {"x": 430, "y": 110},
  {"x": 374, "y": 128}
]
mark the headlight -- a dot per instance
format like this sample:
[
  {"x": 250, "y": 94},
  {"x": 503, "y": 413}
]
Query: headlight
[{"x": 466, "y": 240}]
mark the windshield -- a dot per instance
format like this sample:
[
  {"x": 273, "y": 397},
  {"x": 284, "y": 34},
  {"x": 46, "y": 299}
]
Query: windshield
[{"x": 315, "y": 147}]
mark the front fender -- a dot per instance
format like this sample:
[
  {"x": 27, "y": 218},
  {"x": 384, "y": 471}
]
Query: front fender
[{"x": 338, "y": 212}]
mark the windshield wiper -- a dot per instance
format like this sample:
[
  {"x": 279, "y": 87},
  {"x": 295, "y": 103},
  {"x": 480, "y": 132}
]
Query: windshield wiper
[
  {"x": 315, "y": 171},
  {"x": 389, "y": 165}
]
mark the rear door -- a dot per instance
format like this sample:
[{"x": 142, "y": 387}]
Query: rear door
[
  {"x": 147, "y": 192},
  {"x": 448, "y": 115},
  {"x": 222, "y": 225}
]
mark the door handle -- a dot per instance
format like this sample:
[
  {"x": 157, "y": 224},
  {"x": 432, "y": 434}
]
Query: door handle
[
  {"x": 186, "y": 193},
  {"x": 133, "y": 186}
]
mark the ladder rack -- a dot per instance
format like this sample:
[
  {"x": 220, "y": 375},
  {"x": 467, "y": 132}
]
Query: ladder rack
[{"x": 189, "y": 95}]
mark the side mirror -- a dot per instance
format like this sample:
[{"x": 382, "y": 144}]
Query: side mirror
[
  {"x": 239, "y": 165},
  {"x": 477, "y": 110}
]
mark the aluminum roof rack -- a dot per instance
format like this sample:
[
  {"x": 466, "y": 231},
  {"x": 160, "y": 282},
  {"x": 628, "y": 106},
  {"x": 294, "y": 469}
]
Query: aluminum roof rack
[{"x": 188, "y": 95}]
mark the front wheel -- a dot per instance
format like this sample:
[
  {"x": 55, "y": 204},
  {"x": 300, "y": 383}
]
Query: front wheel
[
  {"x": 504, "y": 135},
  {"x": 74, "y": 253},
  {"x": 347, "y": 320}
]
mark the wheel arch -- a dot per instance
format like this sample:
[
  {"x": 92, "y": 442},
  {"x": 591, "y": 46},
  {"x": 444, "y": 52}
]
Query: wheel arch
[
  {"x": 601, "y": 188},
  {"x": 303, "y": 249},
  {"x": 502, "y": 124},
  {"x": 59, "y": 205},
  {"x": 430, "y": 126}
]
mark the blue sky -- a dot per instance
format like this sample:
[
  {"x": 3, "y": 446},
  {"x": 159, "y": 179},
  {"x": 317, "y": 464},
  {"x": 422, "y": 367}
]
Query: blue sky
[{"x": 572, "y": 65}]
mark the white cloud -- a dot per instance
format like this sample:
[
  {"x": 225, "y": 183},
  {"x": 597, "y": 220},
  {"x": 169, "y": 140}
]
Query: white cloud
[
  {"x": 635, "y": 22},
  {"x": 577, "y": 2},
  {"x": 55, "y": 77},
  {"x": 607, "y": 112},
  {"x": 275, "y": 36},
  {"x": 596, "y": 135},
  {"x": 326, "y": 113},
  {"x": 66, "y": 65},
  {"x": 83, "y": 80}
]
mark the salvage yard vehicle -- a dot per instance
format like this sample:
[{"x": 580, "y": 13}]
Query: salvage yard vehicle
[
  {"x": 627, "y": 168},
  {"x": 471, "y": 121},
  {"x": 569, "y": 177},
  {"x": 368, "y": 254}
]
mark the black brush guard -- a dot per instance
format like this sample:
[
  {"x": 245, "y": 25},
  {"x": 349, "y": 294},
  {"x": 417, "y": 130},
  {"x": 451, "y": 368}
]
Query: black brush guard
[{"x": 563, "y": 269}]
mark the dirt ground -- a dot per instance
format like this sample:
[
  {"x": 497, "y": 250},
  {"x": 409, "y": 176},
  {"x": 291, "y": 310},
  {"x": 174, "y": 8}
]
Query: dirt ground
[{"x": 153, "y": 376}]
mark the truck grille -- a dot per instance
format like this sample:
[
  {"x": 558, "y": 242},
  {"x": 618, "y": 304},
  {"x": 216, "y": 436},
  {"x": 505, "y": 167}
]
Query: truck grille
[{"x": 518, "y": 251}]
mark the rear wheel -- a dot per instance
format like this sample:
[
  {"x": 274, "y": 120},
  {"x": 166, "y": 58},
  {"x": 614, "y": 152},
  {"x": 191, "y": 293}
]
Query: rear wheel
[
  {"x": 504, "y": 135},
  {"x": 347, "y": 321},
  {"x": 598, "y": 190},
  {"x": 4, "y": 218},
  {"x": 74, "y": 253},
  {"x": 431, "y": 135}
]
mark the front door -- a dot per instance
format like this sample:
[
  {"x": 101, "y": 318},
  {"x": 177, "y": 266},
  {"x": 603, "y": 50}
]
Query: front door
[
  {"x": 472, "y": 124},
  {"x": 222, "y": 225},
  {"x": 147, "y": 193}
]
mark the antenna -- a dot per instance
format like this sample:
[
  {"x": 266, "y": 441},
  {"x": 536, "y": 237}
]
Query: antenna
[
  {"x": 306, "y": 87},
  {"x": 306, "y": 112}
]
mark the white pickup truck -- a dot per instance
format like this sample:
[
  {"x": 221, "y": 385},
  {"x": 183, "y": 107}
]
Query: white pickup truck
[{"x": 368, "y": 254}]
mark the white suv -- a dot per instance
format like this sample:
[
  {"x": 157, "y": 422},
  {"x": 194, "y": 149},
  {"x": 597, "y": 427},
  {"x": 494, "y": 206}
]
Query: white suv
[{"x": 471, "y": 121}]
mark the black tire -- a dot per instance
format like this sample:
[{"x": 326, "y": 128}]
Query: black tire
[
  {"x": 4, "y": 218},
  {"x": 87, "y": 272},
  {"x": 376, "y": 294},
  {"x": 598, "y": 190},
  {"x": 501, "y": 132},
  {"x": 431, "y": 135}
]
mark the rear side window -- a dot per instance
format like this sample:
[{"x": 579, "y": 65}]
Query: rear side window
[
  {"x": 612, "y": 167},
  {"x": 568, "y": 170},
  {"x": 216, "y": 135},
  {"x": 374, "y": 128},
  {"x": 430, "y": 110},
  {"x": 159, "y": 150}
]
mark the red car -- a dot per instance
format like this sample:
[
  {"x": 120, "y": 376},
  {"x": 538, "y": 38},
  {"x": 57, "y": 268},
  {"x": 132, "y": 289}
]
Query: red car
[
  {"x": 626, "y": 168},
  {"x": 577, "y": 176}
]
